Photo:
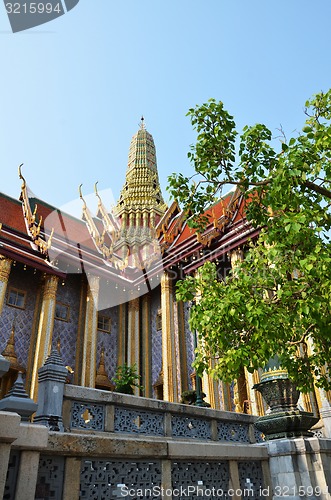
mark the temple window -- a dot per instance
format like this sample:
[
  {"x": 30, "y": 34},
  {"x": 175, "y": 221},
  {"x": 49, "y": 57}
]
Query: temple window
[
  {"x": 103, "y": 323},
  {"x": 61, "y": 311},
  {"x": 16, "y": 298}
]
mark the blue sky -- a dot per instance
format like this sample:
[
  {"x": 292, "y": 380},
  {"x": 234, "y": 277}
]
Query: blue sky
[{"x": 73, "y": 90}]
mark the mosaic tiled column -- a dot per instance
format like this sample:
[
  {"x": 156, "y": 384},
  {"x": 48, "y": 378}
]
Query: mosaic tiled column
[
  {"x": 90, "y": 333},
  {"x": 5, "y": 267},
  {"x": 182, "y": 347},
  {"x": 121, "y": 339},
  {"x": 208, "y": 385},
  {"x": 133, "y": 347},
  {"x": 79, "y": 362},
  {"x": 168, "y": 344},
  {"x": 45, "y": 329},
  {"x": 147, "y": 346},
  {"x": 178, "y": 389}
]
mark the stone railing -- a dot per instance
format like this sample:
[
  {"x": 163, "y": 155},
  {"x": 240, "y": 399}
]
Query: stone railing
[
  {"x": 90, "y": 410},
  {"x": 89, "y": 464},
  {"x": 116, "y": 446}
]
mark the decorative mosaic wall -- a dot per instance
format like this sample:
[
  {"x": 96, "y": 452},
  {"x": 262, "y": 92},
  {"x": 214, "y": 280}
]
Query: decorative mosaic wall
[
  {"x": 194, "y": 428},
  {"x": 50, "y": 477},
  {"x": 66, "y": 331},
  {"x": 28, "y": 281},
  {"x": 140, "y": 422},
  {"x": 109, "y": 341},
  {"x": 189, "y": 344},
  {"x": 177, "y": 348},
  {"x": 156, "y": 336},
  {"x": 87, "y": 416},
  {"x": 108, "y": 479},
  {"x": 221, "y": 396},
  {"x": 251, "y": 479},
  {"x": 11, "y": 479},
  {"x": 196, "y": 480}
]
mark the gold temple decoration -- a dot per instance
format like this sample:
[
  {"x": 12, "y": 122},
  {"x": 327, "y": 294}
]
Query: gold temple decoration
[
  {"x": 169, "y": 228},
  {"x": 127, "y": 235},
  {"x": 10, "y": 353},
  {"x": 102, "y": 381},
  {"x": 141, "y": 204},
  {"x": 110, "y": 222},
  {"x": 34, "y": 228}
]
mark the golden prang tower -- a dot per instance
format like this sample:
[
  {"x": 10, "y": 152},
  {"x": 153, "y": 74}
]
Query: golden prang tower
[{"x": 141, "y": 204}]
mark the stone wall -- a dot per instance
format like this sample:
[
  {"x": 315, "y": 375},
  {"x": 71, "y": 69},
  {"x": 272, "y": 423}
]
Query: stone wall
[{"x": 117, "y": 446}]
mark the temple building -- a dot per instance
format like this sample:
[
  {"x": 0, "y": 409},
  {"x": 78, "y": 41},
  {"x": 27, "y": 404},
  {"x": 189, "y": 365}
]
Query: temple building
[{"x": 101, "y": 288}]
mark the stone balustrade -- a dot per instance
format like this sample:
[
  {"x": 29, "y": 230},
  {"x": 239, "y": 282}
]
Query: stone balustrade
[{"x": 86, "y": 409}]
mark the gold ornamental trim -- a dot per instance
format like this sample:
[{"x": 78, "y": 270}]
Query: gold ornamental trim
[
  {"x": 5, "y": 267},
  {"x": 274, "y": 373},
  {"x": 33, "y": 227}
]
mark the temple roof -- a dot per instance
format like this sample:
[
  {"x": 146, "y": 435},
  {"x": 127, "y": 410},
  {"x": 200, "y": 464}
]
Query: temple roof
[{"x": 140, "y": 236}]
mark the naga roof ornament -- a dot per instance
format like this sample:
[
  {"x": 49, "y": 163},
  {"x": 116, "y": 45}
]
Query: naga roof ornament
[{"x": 30, "y": 216}]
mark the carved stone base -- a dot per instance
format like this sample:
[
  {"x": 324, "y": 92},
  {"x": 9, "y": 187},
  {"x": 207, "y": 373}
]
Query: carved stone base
[{"x": 286, "y": 424}]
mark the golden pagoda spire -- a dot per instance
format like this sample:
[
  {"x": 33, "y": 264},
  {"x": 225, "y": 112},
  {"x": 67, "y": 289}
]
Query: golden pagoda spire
[
  {"x": 102, "y": 381},
  {"x": 9, "y": 351},
  {"x": 141, "y": 204}
]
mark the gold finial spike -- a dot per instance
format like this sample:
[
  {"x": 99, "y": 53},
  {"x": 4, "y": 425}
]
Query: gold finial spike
[
  {"x": 58, "y": 345},
  {"x": 96, "y": 191},
  {"x": 142, "y": 123},
  {"x": 81, "y": 194},
  {"x": 21, "y": 176},
  {"x": 49, "y": 241}
]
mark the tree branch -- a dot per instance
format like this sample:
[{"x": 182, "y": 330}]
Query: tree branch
[{"x": 318, "y": 189}]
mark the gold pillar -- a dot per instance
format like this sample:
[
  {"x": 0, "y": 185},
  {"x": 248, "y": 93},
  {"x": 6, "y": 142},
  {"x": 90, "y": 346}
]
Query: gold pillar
[
  {"x": 45, "y": 329},
  {"x": 208, "y": 384},
  {"x": 5, "y": 267},
  {"x": 254, "y": 398},
  {"x": 258, "y": 396},
  {"x": 133, "y": 347},
  {"x": 168, "y": 344},
  {"x": 236, "y": 256},
  {"x": 146, "y": 346},
  {"x": 182, "y": 347},
  {"x": 121, "y": 334},
  {"x": 90, "y": 333},
  {"x": 313, "y": 401},
  {"x": 211, "y": 388},
  {"x": 246, "y": 399},
  {"x": 79, "y": 361}
]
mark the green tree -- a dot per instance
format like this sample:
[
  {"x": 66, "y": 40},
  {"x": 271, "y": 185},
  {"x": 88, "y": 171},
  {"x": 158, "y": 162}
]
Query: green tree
[{"x": 278, "y": 299}]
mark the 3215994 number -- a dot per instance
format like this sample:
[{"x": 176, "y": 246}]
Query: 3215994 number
[{"x": 33, "y": 8}]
